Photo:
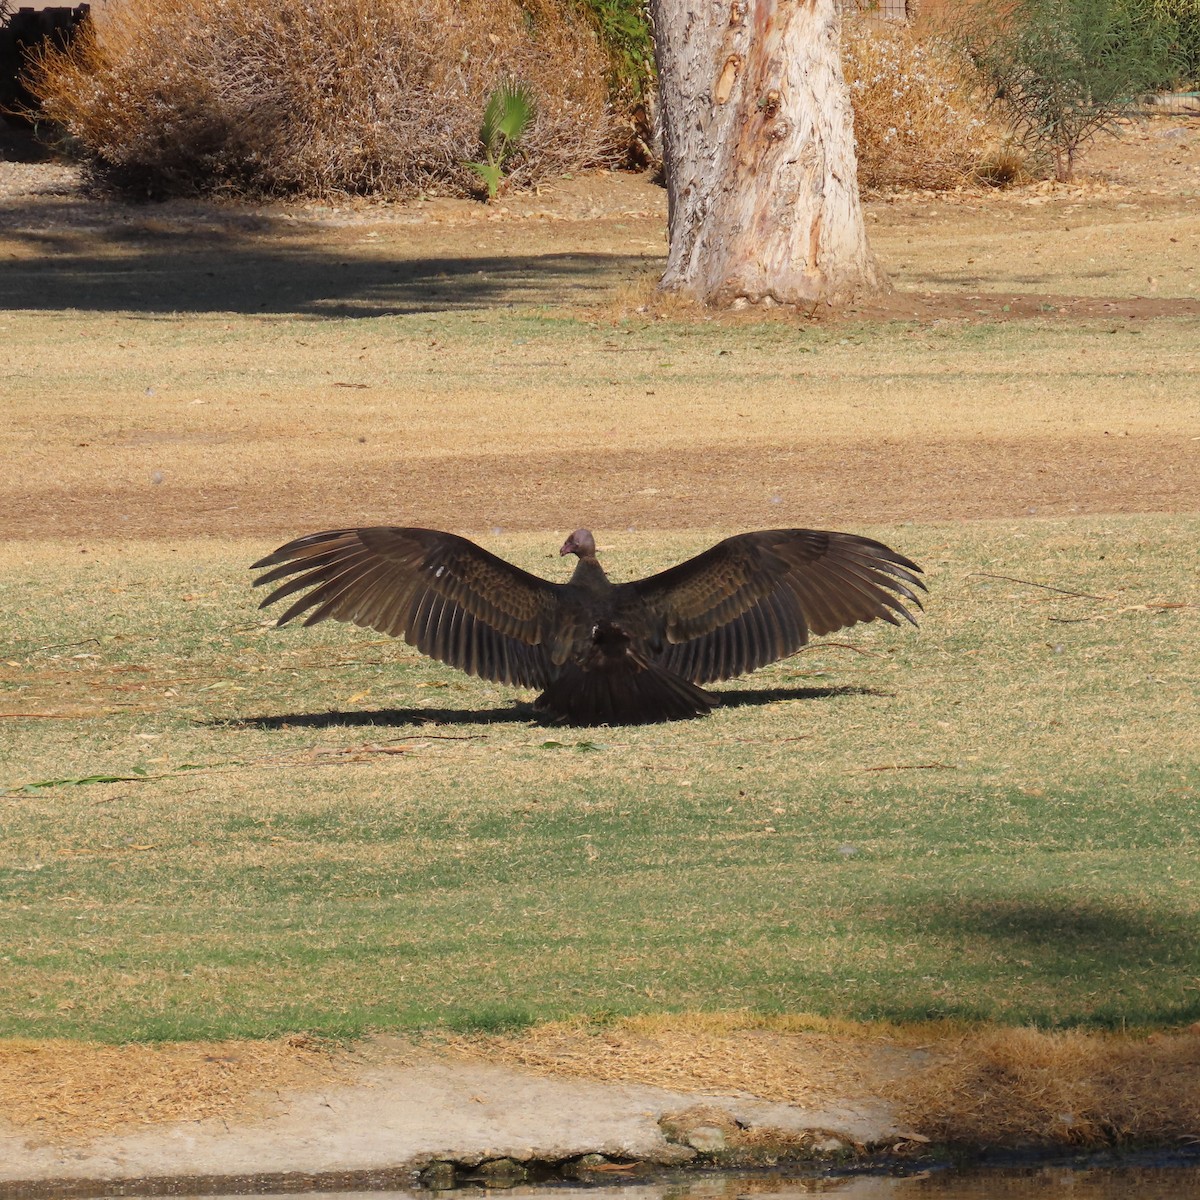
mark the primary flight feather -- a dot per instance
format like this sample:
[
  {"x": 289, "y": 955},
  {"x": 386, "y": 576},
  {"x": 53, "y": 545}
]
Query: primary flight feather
[{"x": 602, "y": 653}]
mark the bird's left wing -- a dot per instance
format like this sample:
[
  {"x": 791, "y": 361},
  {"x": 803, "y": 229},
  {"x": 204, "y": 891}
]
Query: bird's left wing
[
  {"x": 442, "y": 593},
  {"x": 755, "y": 598}
]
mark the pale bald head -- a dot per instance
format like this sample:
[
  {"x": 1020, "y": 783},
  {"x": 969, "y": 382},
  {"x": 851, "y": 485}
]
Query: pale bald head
[{"x": 580, "y": 542}]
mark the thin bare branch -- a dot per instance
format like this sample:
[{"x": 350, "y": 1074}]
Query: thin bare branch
[
  {"x": 831, "y": 646},
  {"x": 67, "y": 645},
  {"x": 933, "y": 766},
  {"x": 1048, "y": 587}
]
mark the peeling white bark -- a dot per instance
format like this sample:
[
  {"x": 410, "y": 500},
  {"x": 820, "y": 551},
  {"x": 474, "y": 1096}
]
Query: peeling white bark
[{"x": 758, "y": 145}]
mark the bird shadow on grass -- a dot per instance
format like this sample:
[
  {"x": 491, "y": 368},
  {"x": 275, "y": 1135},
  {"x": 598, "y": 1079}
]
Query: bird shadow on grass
[
  {"x": 518, "y": 713},
  {"x": 387, "y": 718},
  {"x": 753, "y": 697}
]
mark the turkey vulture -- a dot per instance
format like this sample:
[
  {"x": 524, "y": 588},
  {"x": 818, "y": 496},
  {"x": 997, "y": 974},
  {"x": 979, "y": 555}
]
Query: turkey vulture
[{"x": 603, "y": 653}]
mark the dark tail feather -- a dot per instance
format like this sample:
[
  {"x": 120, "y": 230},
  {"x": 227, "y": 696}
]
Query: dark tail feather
[{"x": 624, "y": 693}]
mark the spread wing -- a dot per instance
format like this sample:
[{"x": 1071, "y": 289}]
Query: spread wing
[
  {"x": 755, "y": 598},
  {"x": 442, "y": 593}
]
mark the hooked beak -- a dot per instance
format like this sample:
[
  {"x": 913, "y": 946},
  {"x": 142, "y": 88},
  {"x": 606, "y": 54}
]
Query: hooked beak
[{"x": 568, "y": 547}]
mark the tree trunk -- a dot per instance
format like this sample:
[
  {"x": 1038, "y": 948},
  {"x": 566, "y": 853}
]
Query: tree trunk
[{"x": 758, "y": 146}]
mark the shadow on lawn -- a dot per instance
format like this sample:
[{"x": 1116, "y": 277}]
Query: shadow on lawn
[
  {"x": 265, "y": 265},
  {"x": 519, "y": 712},
  {"x": 1130, "y": 964}
]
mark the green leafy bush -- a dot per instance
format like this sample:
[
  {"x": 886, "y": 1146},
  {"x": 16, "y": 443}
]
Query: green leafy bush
[
  {"x": 1059, "y": 71},
  {"x": 1182, "y": 19},
  {"x": 624, "y": 29}
]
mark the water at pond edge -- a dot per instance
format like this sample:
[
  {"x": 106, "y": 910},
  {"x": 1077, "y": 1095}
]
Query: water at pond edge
[
  {"x": 1007, "y": 1183},
  {"x": 1150, "y": 1176}
]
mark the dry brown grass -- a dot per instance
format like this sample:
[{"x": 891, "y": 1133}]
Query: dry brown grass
[
  {"x": 1023, "y": 1086},
  {"x": 914, "y": 125},
  {"x": 798, "y": 1058},
  {"x": 347, "y": 96},
  {"x": 60, "y": 1088}
]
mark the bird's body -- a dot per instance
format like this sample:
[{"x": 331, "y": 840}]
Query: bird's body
[{"x": 602, "y": 653}]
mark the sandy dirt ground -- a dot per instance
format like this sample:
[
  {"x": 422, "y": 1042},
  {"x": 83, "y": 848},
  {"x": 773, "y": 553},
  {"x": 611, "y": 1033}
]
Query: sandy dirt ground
[
  {"x": 386, "y": 425},
  {"x": 389, "y": 1107},
  {"x": 1118, "y": 251}
]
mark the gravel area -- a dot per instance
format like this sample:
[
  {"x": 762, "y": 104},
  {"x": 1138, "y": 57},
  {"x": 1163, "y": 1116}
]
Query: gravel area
[{"x": 27, "y": 181}]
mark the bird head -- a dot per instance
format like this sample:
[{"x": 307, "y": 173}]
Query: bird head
[{"x": 580, "y": 542}]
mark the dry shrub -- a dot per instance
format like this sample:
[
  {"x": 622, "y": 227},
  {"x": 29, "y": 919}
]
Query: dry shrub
[
  {"x": 914, "y": 126},
  {"x": 1025, "y": 1086},
  {"x": 319, "y": 97}
]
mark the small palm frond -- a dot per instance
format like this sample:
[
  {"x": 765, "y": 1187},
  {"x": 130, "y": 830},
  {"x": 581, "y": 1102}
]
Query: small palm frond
[
  {"x": 490, "y": 174},
  {"x": 509, "y": 110}
]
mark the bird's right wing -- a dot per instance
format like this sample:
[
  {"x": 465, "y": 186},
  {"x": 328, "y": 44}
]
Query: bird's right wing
[
  {"x": 755, "y": 598},
  {"x": 445, "y": 595}
]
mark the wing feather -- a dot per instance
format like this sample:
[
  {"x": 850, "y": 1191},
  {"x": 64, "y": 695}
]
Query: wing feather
[
  {"x": 445, "y": 595},
  {"x": 449, "y": 632},
  {"x": 473, "y": 651},
  {"x": 755, "y": 598},
  {"x": 853, "y": 593}
]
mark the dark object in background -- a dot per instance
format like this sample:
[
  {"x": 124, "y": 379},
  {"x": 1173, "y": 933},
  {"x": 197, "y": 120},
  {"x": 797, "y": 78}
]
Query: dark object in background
[{"x": 25, "y": 32}]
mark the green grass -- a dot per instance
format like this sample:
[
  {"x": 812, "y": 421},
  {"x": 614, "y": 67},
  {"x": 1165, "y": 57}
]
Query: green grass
[{"x": 994, "y": 819}]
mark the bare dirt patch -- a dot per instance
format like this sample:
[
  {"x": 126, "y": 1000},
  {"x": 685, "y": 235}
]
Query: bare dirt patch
[{"x": 859, "y": 483}]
